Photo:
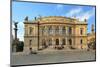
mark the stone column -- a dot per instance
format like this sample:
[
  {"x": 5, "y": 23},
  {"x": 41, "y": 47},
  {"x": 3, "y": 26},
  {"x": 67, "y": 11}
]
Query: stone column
[
  {"x": 60, "y": 41},
  {"x": 66, "y": 30},
  {"x": 60, "y": 30},
  {"x": 50, "y": 30},
  {"x": 25, "y": 31},
  {"x": 66, "y": 42}
]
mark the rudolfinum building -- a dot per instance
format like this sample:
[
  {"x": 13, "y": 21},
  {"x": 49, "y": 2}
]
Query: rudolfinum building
[{"x": 55, "y": 32}]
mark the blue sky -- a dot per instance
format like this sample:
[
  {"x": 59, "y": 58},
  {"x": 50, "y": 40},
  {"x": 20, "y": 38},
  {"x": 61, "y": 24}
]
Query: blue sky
[{"x": 22, "y": 9}]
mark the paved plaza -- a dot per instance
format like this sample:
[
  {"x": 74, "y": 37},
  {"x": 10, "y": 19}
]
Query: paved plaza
[{"x": 53, "y": 57}]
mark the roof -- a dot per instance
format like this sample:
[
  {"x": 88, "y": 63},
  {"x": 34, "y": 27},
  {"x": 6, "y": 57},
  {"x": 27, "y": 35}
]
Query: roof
[{"x": 56, "y": 19}]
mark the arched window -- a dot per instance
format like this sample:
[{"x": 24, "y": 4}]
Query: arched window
[
  {"x": 50, "y": 30},
  {"x": 30, "y": 42},
  {"x": 50, "y": 42},
  {"x": 26, "y": 32},
  {"x": 81, "y": 41},
  {"x": 57, "y": 29},
  {"x": 64, "y": 30},
  {"x": 70, "y": 30},
  {"x": 30, "y": 30},
  {"x": 70, "y": 42},
  {"x": 81, "y": 31},
  {"x": 43, "y": 43},
  {"x": 57, "y": 41}
]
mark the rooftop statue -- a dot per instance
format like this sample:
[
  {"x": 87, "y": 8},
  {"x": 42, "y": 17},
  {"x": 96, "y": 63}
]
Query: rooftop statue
[
  {"x": 26, "y": 18},
  {"x": 15, "y": 24}
]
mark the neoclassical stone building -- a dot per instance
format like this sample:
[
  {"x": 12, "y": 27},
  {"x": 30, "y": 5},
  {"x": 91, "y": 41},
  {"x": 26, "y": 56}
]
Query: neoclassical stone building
[
  {"x": 92, "y": 38},
  {"x": 55, "y": 31}
]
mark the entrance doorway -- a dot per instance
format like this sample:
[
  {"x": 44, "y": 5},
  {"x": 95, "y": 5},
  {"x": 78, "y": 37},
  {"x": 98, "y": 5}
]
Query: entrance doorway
[
  {"x": 63, "y": 41},
  {"x": 70, "y": 42},
  {"x": 57, "y": 41}
]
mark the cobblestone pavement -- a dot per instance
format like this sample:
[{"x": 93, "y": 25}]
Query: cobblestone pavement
[{"x": 52, "y": 57}]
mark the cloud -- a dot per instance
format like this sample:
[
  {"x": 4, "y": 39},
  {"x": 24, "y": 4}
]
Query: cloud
[
  {"x": 73, "y": 12},
  {"x": 86, "y": 15},
  {"x": 59, "y": 6},
  {"x": 80, "y": 14}
]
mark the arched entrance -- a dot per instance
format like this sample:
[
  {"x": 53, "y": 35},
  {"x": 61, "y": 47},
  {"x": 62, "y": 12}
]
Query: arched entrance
[
  {"x": 63, "y": 43},
  {"x": 50, "y": 42},
  {"x": 44, "y": 44},
  {"x": 70, "y": 41},
  {"x": 57, "y": 41}
]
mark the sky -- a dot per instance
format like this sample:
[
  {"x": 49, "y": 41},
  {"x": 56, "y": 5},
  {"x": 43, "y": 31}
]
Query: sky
[{"x": 32, "y": 9}]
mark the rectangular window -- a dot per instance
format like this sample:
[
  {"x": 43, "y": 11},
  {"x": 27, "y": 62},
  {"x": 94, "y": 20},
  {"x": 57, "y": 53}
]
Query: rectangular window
[
  {"x": 70, "y": 30},
  {"x": 81, "y": 31},
  {"x": 50, "y": 30},
  {"x": 57, "y": 30},
  {"x": 30, "y": 30},
  {"x": 63, "y": 30},
  {"x": 30, "y": 42},
  {"x": 81, "y": 41}
]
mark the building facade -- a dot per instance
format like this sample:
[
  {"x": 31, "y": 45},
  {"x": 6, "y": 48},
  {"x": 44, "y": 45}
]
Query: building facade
[
  {"x": 54, "y": 32},
  {"x": 92, "y": 38}
]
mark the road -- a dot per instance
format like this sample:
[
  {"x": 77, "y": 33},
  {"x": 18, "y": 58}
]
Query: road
[{"x": 56, "y": 57}]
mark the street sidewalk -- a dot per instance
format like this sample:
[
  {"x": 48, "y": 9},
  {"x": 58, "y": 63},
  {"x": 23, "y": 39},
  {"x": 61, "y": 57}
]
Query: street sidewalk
[{"x": 50, "y": 50}]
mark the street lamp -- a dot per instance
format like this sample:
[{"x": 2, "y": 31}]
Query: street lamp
[{"x": 38, "y": 35}]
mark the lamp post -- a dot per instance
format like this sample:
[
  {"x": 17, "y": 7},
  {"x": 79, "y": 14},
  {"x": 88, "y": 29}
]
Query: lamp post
[{"x": 38, "y": 35}]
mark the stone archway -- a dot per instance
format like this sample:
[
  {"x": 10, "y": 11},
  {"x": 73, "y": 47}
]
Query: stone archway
[
  {"x": 50, "y": 42},
  {"x": 70, "y": 41},
  {"x": 57, "y": 41}
]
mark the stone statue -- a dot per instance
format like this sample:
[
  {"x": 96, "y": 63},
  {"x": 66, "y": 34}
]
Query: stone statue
[
  {"x": 16, "y": 24},
  {"x": 85, "y": 20},
  {"x": 26, "y": 18},
  {"x": 35, "y": 18}
]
